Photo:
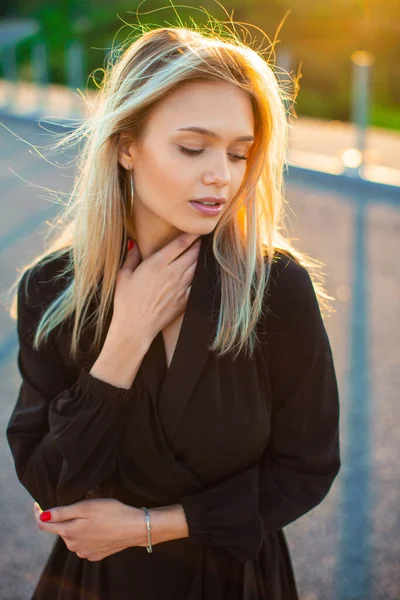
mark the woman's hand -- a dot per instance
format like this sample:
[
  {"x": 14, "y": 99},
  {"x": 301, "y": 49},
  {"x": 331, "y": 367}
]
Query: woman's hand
[
  {"x": 155, "y": 291},
  {"x": 94, "y": 529}
]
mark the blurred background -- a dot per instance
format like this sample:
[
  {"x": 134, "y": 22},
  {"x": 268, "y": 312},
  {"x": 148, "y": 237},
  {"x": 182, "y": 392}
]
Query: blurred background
[
  {"x": 320, "y": 35},
  {"x": 342, "y": 58}
]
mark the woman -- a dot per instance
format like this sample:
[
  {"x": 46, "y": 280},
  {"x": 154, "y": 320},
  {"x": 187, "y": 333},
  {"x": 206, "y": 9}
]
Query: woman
[{"x": 179, "y": 404}]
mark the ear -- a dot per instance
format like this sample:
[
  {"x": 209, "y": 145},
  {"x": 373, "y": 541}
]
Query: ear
[{"x": 125, "y": 151}]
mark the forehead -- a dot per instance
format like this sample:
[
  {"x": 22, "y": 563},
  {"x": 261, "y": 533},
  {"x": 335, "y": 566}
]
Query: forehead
[{"x": 219, "y": 106}]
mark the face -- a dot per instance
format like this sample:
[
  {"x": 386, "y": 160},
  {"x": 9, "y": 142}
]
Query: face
[{"x": 173, "y": 167}]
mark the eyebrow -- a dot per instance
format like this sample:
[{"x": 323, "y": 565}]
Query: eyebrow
[{"x": 243, "y": 138}]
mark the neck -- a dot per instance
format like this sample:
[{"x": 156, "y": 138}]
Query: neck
[{"x": 151, "y": 239}]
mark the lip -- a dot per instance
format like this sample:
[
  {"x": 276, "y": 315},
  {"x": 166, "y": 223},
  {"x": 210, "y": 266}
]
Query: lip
[
  {"x": 208, "y": 211},
  {"x": 209, "y": 199}
]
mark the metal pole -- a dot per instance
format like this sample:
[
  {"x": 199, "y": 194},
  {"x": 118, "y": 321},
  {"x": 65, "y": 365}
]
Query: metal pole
[
  {"x": 75, "y": 70},
  {"x": 10, "y": 72},
  {"x": 40, "y": 73},
  {"x": 362, "y": 63},
  {"x": 284, "y": 61}
]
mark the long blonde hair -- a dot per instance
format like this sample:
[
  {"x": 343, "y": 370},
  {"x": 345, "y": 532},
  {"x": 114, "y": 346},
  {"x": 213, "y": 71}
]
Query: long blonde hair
[{"x": 94, "y": 224}]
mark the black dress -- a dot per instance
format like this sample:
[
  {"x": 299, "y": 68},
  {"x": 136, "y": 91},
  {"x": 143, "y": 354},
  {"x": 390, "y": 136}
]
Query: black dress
[{"x": 246, "y": 446}]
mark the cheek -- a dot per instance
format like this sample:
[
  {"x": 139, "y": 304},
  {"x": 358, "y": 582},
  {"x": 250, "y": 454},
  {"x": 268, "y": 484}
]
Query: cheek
[
  {"x": 161, "y": 189},
  {"x": 167, "y": 170},
  {"x": 237, "y": 180},
  {"x": 151, "y": 179},
  {"x": 175, "y": 177}
]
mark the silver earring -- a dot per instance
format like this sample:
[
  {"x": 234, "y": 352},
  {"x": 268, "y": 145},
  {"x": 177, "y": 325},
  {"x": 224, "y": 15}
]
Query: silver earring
[{"x": 132, "y": 190}]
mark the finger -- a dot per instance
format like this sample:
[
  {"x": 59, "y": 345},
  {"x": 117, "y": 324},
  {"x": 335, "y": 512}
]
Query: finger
[
  {"x": 188, "y": 274},
  {"x": 59, "y": 514},
  {"x": 186, "y": 260},
  {"x": 54, "y": 528},
  {"x": 188, "y": 292},
  {"x": 180, "y": 244},
  {"x": 36, "y": 510},
  {"x": 183, "y": 269},
  {"x": 132, "y": 258},
  {"x": 190, "y": 255}
]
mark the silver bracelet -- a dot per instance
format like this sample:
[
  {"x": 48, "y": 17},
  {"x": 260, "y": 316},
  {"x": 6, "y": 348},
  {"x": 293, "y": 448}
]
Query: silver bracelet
[{"x": 149, "y": 548}]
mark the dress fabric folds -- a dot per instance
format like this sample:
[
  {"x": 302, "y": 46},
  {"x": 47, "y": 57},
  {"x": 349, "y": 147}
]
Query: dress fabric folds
[{"x": 247, "y": 446}]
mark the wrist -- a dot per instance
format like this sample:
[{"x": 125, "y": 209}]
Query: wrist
[
  {"x": 120, "y": 358},
  {"x": 166, "y": 523},
  {"x": 119, "y": 336},
  {"x": 135, "y": 530}
]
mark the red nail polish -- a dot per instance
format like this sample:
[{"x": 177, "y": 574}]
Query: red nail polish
[
  {"x": 45, "y": 516},
  {"x": 131, "y": 243}
]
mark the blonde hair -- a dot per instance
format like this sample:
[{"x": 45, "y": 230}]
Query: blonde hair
[{"x": 94, "y": 224}]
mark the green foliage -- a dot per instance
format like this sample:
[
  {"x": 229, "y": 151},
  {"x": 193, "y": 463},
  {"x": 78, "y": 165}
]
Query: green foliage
[{"x": 386, "y": 116}]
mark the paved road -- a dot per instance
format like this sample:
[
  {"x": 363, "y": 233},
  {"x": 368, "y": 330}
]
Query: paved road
[{"x": 348, "y": 548}]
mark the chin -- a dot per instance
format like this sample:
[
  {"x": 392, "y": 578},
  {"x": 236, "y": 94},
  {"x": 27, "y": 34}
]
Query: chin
[{"x": 203, "y": 229}]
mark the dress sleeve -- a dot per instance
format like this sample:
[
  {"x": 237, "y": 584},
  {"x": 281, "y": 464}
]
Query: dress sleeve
[
  {"x": 64, "y": 428},
  {"x": 302, "y": 457}
]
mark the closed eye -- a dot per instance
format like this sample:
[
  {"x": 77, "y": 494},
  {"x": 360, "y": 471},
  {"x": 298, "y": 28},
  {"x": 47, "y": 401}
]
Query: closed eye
[{"x": 197, "y": 152}]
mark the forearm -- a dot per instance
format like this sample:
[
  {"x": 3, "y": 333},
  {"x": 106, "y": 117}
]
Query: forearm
[{"x": 120, "y": 358}]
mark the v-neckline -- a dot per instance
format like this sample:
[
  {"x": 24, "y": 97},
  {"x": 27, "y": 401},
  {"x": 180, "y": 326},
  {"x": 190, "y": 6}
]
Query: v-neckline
[
  {"x": 159, "y": 339},
  {"x": 160, "y": 343},
  {"x": 164, "y": 347},
  {"x": 170, "y": 388}
]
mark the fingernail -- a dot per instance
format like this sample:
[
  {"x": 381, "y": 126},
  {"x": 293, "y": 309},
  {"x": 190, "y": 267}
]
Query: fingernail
[
  {"x": 45, "y": 516},
  {"x": 131, "y": 243}
]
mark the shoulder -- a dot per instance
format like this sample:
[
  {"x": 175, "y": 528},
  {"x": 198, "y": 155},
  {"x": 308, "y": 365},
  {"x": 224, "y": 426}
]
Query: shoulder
[
  {"x": 287, "y": 274},
  {"x": 42, "y": 282},
  {"x": 290, "y": 293}
]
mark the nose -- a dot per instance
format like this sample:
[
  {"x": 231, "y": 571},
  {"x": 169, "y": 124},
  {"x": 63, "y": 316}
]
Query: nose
[{"x": 219, "y": 172}]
